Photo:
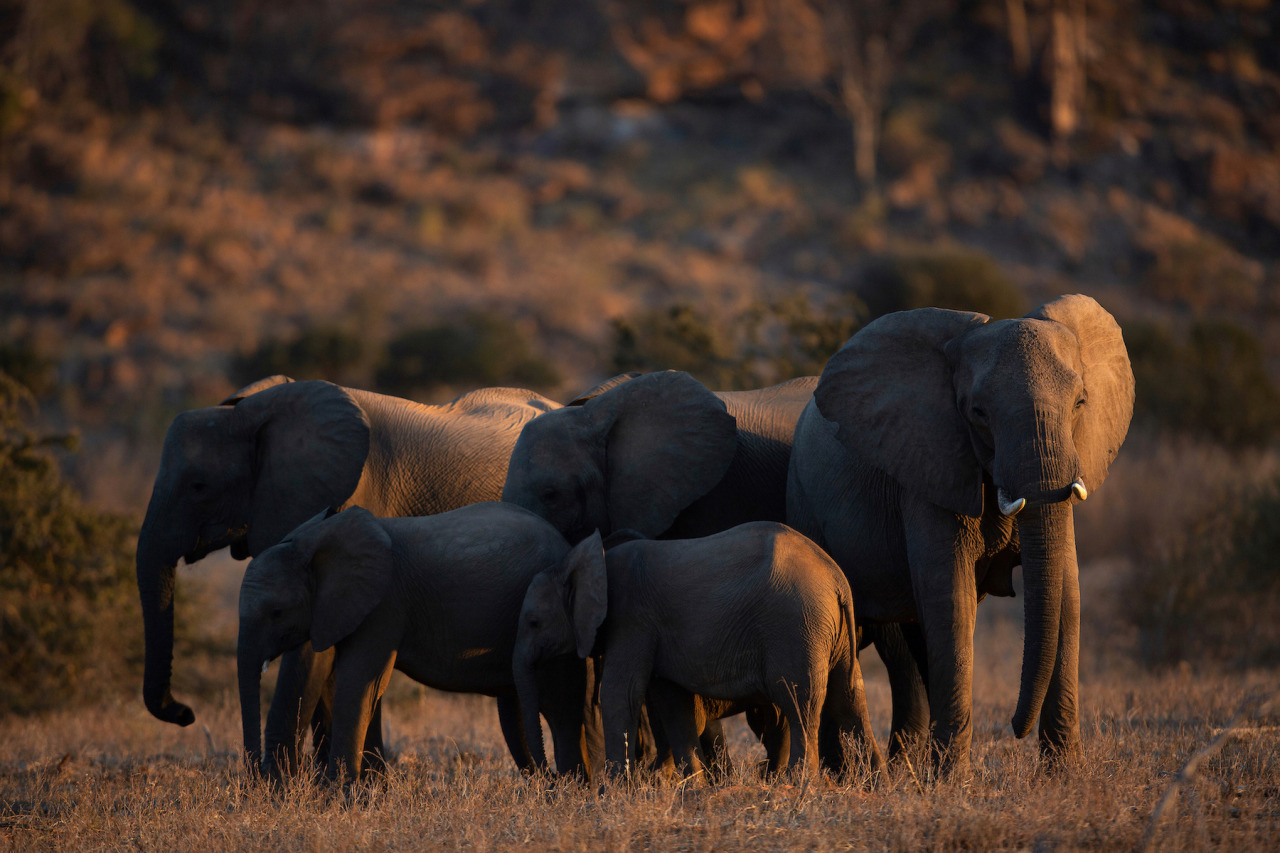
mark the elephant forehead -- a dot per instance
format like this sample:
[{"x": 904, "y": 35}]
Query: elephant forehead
[
  {"x": 199, "y": 434},
  {"x": 1042, "y": 353}
]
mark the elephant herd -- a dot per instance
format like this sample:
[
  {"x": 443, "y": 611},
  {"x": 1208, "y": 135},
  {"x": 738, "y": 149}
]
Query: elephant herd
[{"x": 622, "y": 566}]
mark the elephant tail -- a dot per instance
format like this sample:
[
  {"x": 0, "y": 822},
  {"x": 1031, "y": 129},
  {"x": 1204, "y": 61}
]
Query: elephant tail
[{"x": 850, "y": 626}]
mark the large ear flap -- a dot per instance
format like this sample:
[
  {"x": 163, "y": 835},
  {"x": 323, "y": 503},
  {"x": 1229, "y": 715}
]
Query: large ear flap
[
  {"x": 668, "y": 442},
  {"x": 602, "y": 387},
  {"x": 1108, "y": 381},
  {"x": 255, "y": 387},
  {"x": 352, "y": 562},
  {"x": 889, "y": 389},
  {"x": 588, "y": 578},
  {"x": 312, "y": 439}
]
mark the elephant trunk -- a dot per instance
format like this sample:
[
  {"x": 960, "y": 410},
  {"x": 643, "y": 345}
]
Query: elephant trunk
[
  {"x": 249, "y": 673},
  {"x": 527, "y": 693},
  {"x": 157, "y": 562},
  {"x": 1048, "y": 555}
]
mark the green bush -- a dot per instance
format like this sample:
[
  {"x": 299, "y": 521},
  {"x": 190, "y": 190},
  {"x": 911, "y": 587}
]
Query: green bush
[
  {"x": 768, "y": 343},
  {"x": 479, "y": 349},
  {"x": 961, "y": 279},
  {"x": 1214, "y": 383},
  {"x": 318, "y": 353},
  {"x": 1215, "y": 593},
  {"x": 69, "y": 615}
]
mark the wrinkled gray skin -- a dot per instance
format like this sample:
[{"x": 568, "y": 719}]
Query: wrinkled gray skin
[
  {"x": 917, "y": 423},
  {"x": 245, "y": 473},
  {"x": 756, "y": 615},
  {"x": 436, "y": 597},
  {"x": 661, "y": 455}
]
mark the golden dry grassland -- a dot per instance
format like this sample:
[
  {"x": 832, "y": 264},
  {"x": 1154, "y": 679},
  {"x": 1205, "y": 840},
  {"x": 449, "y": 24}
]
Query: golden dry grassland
[{"x": 114, "y": 778}]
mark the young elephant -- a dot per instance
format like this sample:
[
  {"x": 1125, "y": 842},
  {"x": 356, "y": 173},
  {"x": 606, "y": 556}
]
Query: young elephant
[
  {"x": 436, "y": 597},
  {"x": 755, "y": 615}
]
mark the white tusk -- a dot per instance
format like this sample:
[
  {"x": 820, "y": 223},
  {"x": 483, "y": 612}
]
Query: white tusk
[
  {"x": 1009, "y": 508},
  {"x": 1078, "y": 489},
  {"x": 265, "y": 664}
]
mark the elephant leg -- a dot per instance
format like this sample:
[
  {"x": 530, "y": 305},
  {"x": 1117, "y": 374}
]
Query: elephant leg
[
  {"x": 300, "y": 688},
  {"x": 375, "y": 756},
  {"x": 947, "y": 601},
  {"x": 716, "y": 749},
  {"x": 1059, "y": 717},
  {"x": 845, "y": 713},
  {"x": 621, "y": 699},
  {"x": 361, "y": 676},
  {"x": 902, "y": 648},
  {"x": 801, "y": 703},
  {"x": 513, "y": 733},
  {"x": 673, "y": 711},
  {"x": 562, "y": 684},
  {"x": 771, "y": 727}
]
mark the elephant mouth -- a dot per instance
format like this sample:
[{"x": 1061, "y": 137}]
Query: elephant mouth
[
  {"x": 237, "y": 538},
  {"x": 1010, "y": 506}
]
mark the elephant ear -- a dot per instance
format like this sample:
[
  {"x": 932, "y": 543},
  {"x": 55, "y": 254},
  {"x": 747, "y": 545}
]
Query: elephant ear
[
  {"x": 352, "y": 563},
  {"x": 311, "y": 441},
  {"x": 1108, "y": 381},
  {"x": 602, "y": 387},
  {"x": 255, "y": 387},
  {"x": 890, "y": 392},
  {"x": 668, "y": 441},
  {"x": 586, "y": 573}
]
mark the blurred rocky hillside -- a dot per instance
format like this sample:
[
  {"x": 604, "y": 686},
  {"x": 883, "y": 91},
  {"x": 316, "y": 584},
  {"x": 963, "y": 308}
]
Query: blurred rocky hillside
[{"x": 197, "y": 192}]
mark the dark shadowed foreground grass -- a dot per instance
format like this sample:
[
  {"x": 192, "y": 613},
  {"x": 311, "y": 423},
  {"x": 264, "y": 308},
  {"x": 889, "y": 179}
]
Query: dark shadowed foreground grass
[{"x": 114, "y": 778}]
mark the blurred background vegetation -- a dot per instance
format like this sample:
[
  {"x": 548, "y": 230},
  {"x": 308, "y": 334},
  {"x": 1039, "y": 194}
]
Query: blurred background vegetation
[{"x": 425, "y": 197}]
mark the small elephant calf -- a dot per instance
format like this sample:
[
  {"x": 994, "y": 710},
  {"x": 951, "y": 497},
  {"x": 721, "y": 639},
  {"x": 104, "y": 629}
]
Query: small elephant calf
[
  {"x": 436, "y": 597},
  {"x": 755, "y": 615}
]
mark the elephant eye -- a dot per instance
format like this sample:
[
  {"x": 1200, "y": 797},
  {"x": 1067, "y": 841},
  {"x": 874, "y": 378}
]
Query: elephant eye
[
  {"x": 1080, "y": 403},
  {"x": 979, "y": 415},
  {"x": 199, "y": 486},
  {"x": 277, "y": 613}
]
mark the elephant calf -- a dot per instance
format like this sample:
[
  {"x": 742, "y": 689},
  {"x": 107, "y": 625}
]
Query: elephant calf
[
  {"x": 436, "y": 597},
  {"x": 755, "y": 615}
]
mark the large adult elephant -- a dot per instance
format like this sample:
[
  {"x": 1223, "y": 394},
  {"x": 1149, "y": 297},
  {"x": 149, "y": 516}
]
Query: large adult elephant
[
  {"x": 662, "y": 455},
  {"x": 244, "y": 473},
  {"x": 941, "y": 450}
]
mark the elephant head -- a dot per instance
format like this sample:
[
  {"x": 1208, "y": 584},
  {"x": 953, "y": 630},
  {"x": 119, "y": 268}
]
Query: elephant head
[
  {"x": 634, "y": 456},
  {"x": 562, "y": 611},
  {"x": 954, "y": 406},
  {"x": 242, "y": 474},
  {"x": 318, "y": 584}
]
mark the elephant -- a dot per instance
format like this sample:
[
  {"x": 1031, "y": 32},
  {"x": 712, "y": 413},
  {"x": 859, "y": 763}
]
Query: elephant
[
  {"x": 944, "y": 448},
  {"x": 662, "y": 455},
  {"x": 436, "y": 597},
  {"x": 246, "y": 472},
  {"x": 755, "y": 615}
]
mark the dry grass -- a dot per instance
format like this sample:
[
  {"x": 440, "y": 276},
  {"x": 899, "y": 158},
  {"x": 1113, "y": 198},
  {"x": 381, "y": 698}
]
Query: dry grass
[{"x": 112, "y": 777}]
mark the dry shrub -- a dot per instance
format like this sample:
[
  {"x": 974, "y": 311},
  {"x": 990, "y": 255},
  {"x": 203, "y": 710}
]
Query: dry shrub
[
  {"x": 1183, "y": 528},
  {"x": 1213, "y": 383},
  {"x": 769, "y": 342},
  {"x": 960, "y": 279},
  {"x": 66, "y": 573}
]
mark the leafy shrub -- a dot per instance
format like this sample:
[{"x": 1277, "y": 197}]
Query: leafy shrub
[
  {"x": 961, "y": 279},
  {"x": 1214, "y": 383},
  {"x": 479, "y": 349},
  {"x": 1215, "y": 594},
  {"x": 70, "y": 604},
  {"x": 679, "y": 338},
  {"x": 318, "y": 353},
  {"x": 768, "y": 343}
]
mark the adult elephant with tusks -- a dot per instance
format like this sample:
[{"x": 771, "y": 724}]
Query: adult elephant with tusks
[
  {"x": 942, "y": 449},
  {"x": 246, "y": 472}
]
